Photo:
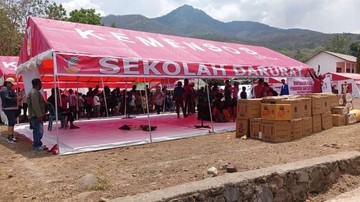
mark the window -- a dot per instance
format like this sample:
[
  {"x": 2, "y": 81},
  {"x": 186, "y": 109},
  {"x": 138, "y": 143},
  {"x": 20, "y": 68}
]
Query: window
[
  {"x": 353, "y": 71},
  {"x": 347, "y": 70},
  {"x": 338, "y": 69}
]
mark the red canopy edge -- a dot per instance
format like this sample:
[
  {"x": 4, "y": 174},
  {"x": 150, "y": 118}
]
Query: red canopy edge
[{"x": 81, "y": 50}]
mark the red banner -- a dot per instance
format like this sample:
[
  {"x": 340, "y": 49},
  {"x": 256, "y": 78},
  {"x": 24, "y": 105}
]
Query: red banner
[{"x": 131, "y": 67}]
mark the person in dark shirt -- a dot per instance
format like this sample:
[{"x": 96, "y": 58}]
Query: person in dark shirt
[
  {"x": 62, "y": 109},
  {"x": 243, "y": 94},
  {"x": 179, "y": 99}
]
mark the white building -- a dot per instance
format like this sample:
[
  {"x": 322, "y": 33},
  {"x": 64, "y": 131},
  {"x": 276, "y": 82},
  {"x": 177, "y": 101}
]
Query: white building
[{"x": 333, "y": 62}]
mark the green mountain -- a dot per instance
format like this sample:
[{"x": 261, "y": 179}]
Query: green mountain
[{"x": 191, "y": 22}]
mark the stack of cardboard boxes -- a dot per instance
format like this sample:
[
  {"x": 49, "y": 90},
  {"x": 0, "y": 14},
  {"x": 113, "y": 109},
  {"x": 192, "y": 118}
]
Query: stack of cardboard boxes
[{"x": 286, "y": 118}]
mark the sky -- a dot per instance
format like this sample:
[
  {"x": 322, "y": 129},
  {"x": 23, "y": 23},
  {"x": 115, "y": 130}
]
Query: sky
[{"x": 327, "y": 16}]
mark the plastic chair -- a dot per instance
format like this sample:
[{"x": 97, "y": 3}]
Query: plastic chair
[{"x": 52, "y": 117}]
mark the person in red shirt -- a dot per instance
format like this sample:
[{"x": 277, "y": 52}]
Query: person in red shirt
[
  {"x": 188, "y": 95},
  {"x": 318, "y": 80},
  {"x": 267, "y": 90},
  {"x": 259, "y": 89}
]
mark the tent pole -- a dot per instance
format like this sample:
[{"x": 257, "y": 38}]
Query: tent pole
[
  {"x": 106, "y": 106},
  {"x": 148, "y": 113},
  {"x": 56, "y": 104},
  {"x": 125, "y": 109},
  {"x": 77, "y": 100},
  {"x": 209, "y": 101},
  {"x": 17, "y": 87},
  {"x": 142, "y": 103}
]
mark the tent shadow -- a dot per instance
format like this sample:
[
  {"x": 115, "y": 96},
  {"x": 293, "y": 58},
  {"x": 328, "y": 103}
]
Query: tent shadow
[{"x": 23, "y": 146}]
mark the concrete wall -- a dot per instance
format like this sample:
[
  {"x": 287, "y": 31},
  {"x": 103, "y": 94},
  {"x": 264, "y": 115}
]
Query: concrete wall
[{"x": 288, "y": 182}]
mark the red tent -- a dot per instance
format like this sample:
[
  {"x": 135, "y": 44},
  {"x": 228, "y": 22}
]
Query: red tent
[
  {"x": 88, "y": 52},
  {"x": 345, "y": 76},
  {"x": 69, "y": 51}
]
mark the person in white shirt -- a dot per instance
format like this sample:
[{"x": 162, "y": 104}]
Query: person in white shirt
[{"x": 96, "y": 105}]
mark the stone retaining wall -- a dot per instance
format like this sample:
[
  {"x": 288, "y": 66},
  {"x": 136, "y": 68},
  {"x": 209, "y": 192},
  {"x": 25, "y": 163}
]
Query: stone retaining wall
[{"x": 288, "y": 182}]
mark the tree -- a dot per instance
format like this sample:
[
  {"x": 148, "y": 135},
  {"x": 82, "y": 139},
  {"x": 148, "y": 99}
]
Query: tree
[
  {"x": 113, "y": 25},
  {"x": 339, "y": 44},
  {"x": 354, "y": 48},
  {"x": 86, "y": 16},
  {"x": 13, "y": 17},
  {"x": 358, "y": 60},
  {"x": 56, "y": 12},
  {"x": 10, "y": 39}
]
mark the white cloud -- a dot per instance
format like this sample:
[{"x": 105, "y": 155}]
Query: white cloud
[
  {"x": 77, "y": 4},
  {"x": 330, "y": 16}
]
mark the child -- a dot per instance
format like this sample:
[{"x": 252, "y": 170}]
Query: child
[{"x": 243, "y": 94}]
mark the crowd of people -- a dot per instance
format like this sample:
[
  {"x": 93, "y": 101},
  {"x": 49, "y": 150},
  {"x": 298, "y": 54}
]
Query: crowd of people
[{"x": 183, "y": 99}]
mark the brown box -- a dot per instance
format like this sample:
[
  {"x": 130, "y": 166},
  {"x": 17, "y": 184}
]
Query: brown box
[
  {"x": 317, "y": 105},
  {"x": 338, "y": 119},
  {"x": 307, "y": 126},
  {"x": 242, "y": 128},
  {"x": 340, "y": 110},
  {"x": 316, "y": 123},
  {"x": 335, "y": 99},
  {"x": 276, "y": 131},
  {"x": 273, "y": 99},
  {"x": 247, "y": 109},
  {"x": 297, "y": 107},
  {"x": 306, "y": 103},
  {"x": 326, "y": 120},
  {"x": 296, "y": 129},
  {"x": 255, "y": 128},
  {"x": 350, "y": 118},
  {"x": 276, "y": 112}
]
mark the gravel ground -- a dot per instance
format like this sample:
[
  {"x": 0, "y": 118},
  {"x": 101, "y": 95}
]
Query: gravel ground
[{"x": 27, "y": 175}]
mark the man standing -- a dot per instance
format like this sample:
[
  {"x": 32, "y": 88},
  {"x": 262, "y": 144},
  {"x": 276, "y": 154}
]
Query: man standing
[
  {"x": 36, "y": 105},
  {"x": 259, "y": 89},
  {"x": 284, "y": 88},
  {"x": 179, "y": 99}
]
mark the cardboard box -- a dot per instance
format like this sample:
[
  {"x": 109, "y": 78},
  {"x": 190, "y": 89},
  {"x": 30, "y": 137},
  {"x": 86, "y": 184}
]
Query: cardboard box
[
  {"x": 340, "y": 110},
  {"x": 318, "y": 105},
  {"x": 339, "y": 119},
  {"x": 335, "y": 99},
  {"x": 297, "y": 107},
  {"x": 276, "y": 131},
  {"x": 326, "y": 120},
  {"x": 350, "y": 118},
  {"x": 296, "y": 129},
  {"x": 326, "y": 99},
  {"x": 242, "y": 128},
  {"x": 306, "y": 103},
  {"x": 273, "y": 99},
  {"x": 276, "y": 112},
  {"x": 255, "y": 128},
  {"x": 316, "y": 123},
  {"x": 247, "y": 109},
  {"x": 307, "y": 126}
]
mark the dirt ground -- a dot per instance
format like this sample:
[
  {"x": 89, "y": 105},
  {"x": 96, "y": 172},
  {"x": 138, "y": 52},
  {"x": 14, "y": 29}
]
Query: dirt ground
[{"x": 27, "y": 175}]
